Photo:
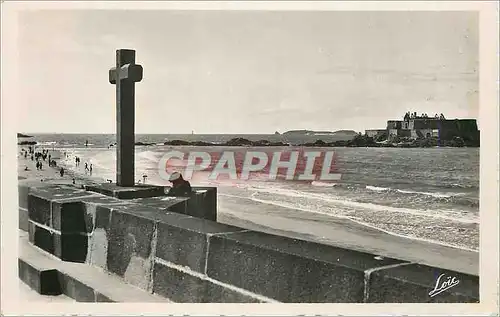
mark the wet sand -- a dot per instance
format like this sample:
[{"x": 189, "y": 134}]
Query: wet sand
[{"x": 306, "y": 226}]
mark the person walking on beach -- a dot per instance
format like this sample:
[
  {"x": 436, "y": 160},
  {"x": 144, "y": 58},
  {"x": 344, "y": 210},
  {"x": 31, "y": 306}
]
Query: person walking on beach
[
  {"x": 40, "y": 165},
  {"x": 90, "y": 169},
  {"x": 86, "y": 168},
  {"x": 61, "y": 172},
  {"x": 180, "y": 186}
]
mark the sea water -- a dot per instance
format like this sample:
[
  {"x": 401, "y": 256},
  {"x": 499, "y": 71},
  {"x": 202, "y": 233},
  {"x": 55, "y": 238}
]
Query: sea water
[{"x": 423, "y": 193}]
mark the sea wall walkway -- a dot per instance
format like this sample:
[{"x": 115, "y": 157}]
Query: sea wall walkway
[{"x": 159, "y": 248}]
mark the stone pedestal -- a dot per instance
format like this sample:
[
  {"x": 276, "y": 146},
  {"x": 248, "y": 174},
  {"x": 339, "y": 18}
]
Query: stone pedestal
[{"x": 127, "y": 192}]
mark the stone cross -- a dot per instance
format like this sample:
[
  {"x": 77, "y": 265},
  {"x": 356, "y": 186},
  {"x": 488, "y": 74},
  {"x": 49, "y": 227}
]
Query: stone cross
[{"x": 124, "y": 76}]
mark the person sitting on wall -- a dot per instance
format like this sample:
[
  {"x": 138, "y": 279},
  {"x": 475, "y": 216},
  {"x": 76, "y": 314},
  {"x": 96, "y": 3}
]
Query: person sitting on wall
[{"x": 180, "y": 186}]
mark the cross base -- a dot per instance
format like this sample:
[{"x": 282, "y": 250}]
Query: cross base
[{"x": 127, "y": 192}]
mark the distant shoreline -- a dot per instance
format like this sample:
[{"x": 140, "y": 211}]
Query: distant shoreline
[
  {"x": 357, "y": 140},
  {"x": 361, "y": 141},
  {"x": 319, "y": 143}
]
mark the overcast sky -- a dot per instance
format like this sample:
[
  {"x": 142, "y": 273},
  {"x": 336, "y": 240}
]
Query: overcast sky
[{"x": 247, "y": 71}]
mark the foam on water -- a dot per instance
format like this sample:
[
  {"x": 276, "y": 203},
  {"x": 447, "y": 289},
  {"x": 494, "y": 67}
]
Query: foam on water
[
  {"x": 323, "y": 184},
  {"x": 150, "y": 155},
  {"x": 412, "y": 192},
  {"x": 353, "y": 219},
  {"x": 360, "y": 205},
  {"x": 378, "y": 189}
]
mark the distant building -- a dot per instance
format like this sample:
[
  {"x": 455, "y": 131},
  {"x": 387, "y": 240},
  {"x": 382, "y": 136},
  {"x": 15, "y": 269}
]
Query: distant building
[
  {"x": 416, "y": 127},
  {"x": 375, "y": 132},
  {"x": 443, "y": 129}
]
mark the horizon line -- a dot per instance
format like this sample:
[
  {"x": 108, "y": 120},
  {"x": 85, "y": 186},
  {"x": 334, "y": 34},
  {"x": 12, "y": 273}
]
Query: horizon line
[{"x": 247, "y": 133}]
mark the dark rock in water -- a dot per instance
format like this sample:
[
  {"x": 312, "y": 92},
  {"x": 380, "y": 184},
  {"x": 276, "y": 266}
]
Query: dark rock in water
[
  {"x": 277, "y": 133},
  {"x": 20, "y": 135},
  {"x": 239, "y": 142},
  {"x": 27, "y": 143},
  {"x": 262, "y": 143},
  {"x": 232, "y": 142},
  {"x": 269, "y": 143},
  {"x": 201, "y": 143},
  {"x": 319, "y": 143},
  {"x": 340, "y": 143},
  {"x": 177, "y": 142},
  {"x": 187, "y": 143},
  {"x": 278, "y": 144},
  {"x": 143, "y": 143}
]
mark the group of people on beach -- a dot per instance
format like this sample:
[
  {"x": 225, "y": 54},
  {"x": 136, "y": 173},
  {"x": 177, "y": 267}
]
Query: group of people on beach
[
  {"x": 88, "y": 168},
  {"x": 180, "y": 187},
  {"x": 38, "y": 157}
]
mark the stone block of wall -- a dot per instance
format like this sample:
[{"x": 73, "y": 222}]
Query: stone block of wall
[
  {"x": 290, "y": 270},
  {"x": 183, "y": 287},
  {"x": 68, "y": 247},
  {"x": 43, "y": 280},
  {"x": 185, "y": 240},
  {"x": 41, "y": 237},
  {"x": 201, "y": 204},
  {"x": 72, "y": 247},
  {"x": 129, "y": 247},
  {"x": 167, "y": 203},
  {"x": 60, "y": 220}
]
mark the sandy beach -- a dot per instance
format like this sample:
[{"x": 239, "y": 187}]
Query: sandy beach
[{"x": 303, "y": 225}]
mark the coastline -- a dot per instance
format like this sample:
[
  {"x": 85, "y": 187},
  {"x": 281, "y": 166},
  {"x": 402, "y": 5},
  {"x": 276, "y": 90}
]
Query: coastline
[
  {"x": 301, "y": 225},
  {"x": 357, "y": 141}
]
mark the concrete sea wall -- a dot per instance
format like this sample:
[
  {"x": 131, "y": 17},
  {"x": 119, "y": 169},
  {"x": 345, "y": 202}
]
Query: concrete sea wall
[{"x": 174, "y": 248}]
